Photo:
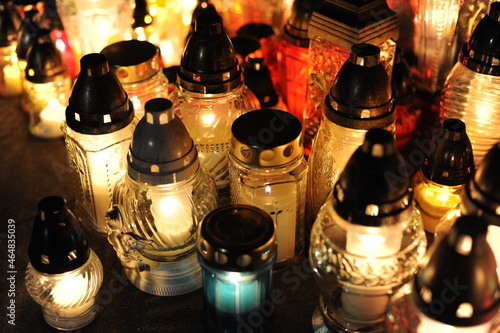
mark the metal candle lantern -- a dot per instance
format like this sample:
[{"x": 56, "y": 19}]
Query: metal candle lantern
[
  {"x": 472, "y": 90},
  {"x": 98, "y": 129},
  {"x": 47, "y": 86},
  {"x": 367, "y": 240},
  {"x": 444, "y": 173},
  {"x": 64, "y": 274},
  {"x": 455, "y": 290},
  {"x": 138, "y": 67},
  {"x": 237, "y": 251},
  {"x": 268, "y": 170},
  {"x": 210, "y": 94},
  {"x": 158, "y": 204},
  {"x": 359, "y": 100},
  {"x": 334, "y": 28}
]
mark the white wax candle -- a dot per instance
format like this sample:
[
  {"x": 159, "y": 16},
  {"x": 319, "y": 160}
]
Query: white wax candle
[
  {"x": 13, "y": 81},
  {"x": 375, "y": 245},
  {"x": 280, "y": 201},
  {"x": 50, "y": 119}
]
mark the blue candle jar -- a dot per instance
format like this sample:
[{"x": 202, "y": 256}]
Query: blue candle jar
[{"x": 236, "y": 251}]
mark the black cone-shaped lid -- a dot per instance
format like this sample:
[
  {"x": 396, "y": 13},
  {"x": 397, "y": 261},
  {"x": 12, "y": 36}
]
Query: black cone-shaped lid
[
  {"x": 57, "y": 243},
  {"x": 203, "y": 6},
  {"x": 98, "y": 103},
  {"x": 297, "y": 25},
  {"x": 45, "y": 62},
  {"x": 374, "y": 184},
  {"x": 460, "y": 277},
  {"x": 258, "y": 80},
  {"x": 162, "y": 151},
  {"x": 450, "y": 160},
  {"x": 482, "y": 53},
  {"x": 8, "y": 31},
  {"x": 237, "y": 238},
  {"x": 141, "y": 14},
  {"x": 209, "y": 63},
  {"x": 26, "y": 33},
  {"x": 403, "y": 86},
  {"x": 482, "y": 193},
  {"x": 361, "y": 96}
]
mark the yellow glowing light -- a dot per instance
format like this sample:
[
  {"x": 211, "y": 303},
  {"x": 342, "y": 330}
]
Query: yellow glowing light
[
  {"x": 12, "y": 78},
  {"x": 70, "y": 290},
  {"x": 208, "y": 119}
]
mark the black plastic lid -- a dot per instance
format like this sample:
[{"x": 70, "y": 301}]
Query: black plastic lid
[
  {"x": 458, "y": 286},
  {"x": 141, "y": 14},
  {"x": 482, "y": 53},
  {"x": 45, "y": 62},
  {"x": 257, "y": 30},
  {"x": 375, "y": 183},
  {"x": 361, "y": 97},
  {"x": 98, "y": 103},
  {"x": 161, "y": 152},
  {"x": 403, "y": 86},
  {"x": 209, "y": 64},
  {"x": 27, "y": 33},
  {"x": 58, "y": 243},
  {"x": 481, "y": 195},
  {"x": 258, "y": 80},
  {"x": 8, "y": 31},
  {"x": 237, "y": 238},
  {"x": 450, "y": 160},
  {"x": 203, "y": 6},
  {"x": 297, "y": 25},
  {"x": 245, "y": 45}
]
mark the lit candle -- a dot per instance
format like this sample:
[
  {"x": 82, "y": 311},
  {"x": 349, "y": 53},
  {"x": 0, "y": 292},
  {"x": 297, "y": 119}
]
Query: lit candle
[
  {"x": 12, "y": 78},
  {"x": 51, "y": 118}
]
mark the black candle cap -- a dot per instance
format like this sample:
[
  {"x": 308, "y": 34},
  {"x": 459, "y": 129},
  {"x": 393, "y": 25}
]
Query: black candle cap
[
  {"x": 450, "y": 161},
  {"x": 375, "y": 183},
  {"x": 8, "y": 31},
  {"x": 258, "y": 80},
  {"x": 482, "y": 52},
  {"x": 361, "y": 96},
  {"x": 458, "y": 284},
  {"x": 162, "y": 151},
  {"x": 98, "y": 103},
  {"x": 209, "y": 64},
  {"x": 237, "y": 238},
  {"x": 58, "y": 243},
  {"x": 26, "y": 33}
]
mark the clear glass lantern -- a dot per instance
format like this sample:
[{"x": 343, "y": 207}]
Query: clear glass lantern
[
  {"x": 334, "y": 28},
  {"x": 367, "y": 240},
  {"x": 47, "y": 85},
  {"x": 159, "y": 203},
  {"x": 268, "y": 170},
  {"x": 210, "y": 94},
  {"x": 10, "y": 75},
  {"x": 236, "y": 251},
  {"x": 456, "y": 289},
  {"x": 439, "y": 181},
  {"x": 472, "y": 90},
  {"x": 359, "y": 100},
  {"x": 64, "y": 274},
  {"x": 98, "y": 129},
  {"x": 138, "y": 67},
  {"x": 93, "y": 24}
]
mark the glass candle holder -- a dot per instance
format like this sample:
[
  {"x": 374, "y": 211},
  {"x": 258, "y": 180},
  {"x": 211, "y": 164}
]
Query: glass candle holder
[
  {"x": 360, "y": 100},
  {"x": 367, "y": 240},
  {"x": 47, "y": 85},
  {"x": 236, "y": 251},
  {"x": 98, "y": 129},
  {"x": 268, "y": 170},
  {"x": 445, "y": 171},
  {"x": 210, "y": 94},
  {"x": 10, "y": 75},
  {"x": 455, "y": 290},
  {"x": 334, "y": 28},
  {"x": 92, "y": 25},
  {"x": 138, "y": 67},
  {"x": 480, "y": 197},
  {"x": 159, "y": 203},
  {"x": 63, "y": 274},
  {"x": 293, "y": 57},
  {"x": 471, "y": 90}
]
